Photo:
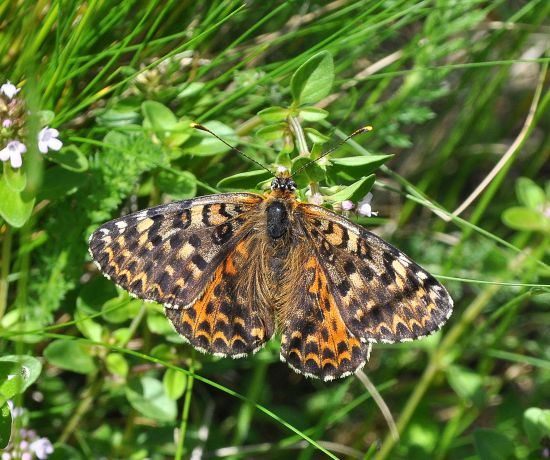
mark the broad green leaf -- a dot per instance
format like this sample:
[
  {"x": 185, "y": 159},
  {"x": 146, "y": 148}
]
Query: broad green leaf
[
  {"x": 356, "y": 191},
  {"x": 536, "y": 423},
  {"x": 313, "y": 80},
  {"x": 315, "y": 136},
  {"x": 11, "y": 380},
  {"x": 116, "y": 364},
  {"x": 174, "y": 383},
  {"x": 5, "y": 425},
  {"x": 94, "y": 294},
  {"x": 202, "y": 143},
  {"x": 120, "y": 309},
  {"x": 273, "y": 114},
  {"x": 180, "y": 132},
  {"x": 272, "y": 132},
  {"x": 28, "y": 366},
  {"x": 180, "y": 185},
  {"x": 525, "y": 219},
  {"x": 70, "y": 355},
  {"x": 492, "y": 445},
  {"x": 16, "y": 179},
  {"x": 313, "y": 114},
  {"x": 530, "y": 194},
  {"x": 12, "y": 322},
  {"x": 244, "y": 180},
  {"x": 303, "y": 174},
  {"x": 158, "y": 118},
  {"x": 467, "y": 384},
  {"x": 88, "y": 327},
  {"x": 159, "y": 324},
  {"x": 65, "y": 452},
  {"x": 350, "y": 168},
  {"x": 118, "y": 116},
  {"x": 15, "y": 207},
  {"x": 59, "y": 182},
  {"x": 70, "y": 157},
  {"x": 148, "y": 397}
]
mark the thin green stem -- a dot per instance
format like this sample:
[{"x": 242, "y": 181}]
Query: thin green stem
[
  {"x": 5, "y": 270},
  {"x": 185, "y": 413},
  {"x": 299, "y": 135}
]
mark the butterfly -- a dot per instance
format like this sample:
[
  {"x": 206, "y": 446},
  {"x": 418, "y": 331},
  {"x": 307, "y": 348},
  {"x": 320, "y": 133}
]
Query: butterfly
[{"x": 231, "y": 269}]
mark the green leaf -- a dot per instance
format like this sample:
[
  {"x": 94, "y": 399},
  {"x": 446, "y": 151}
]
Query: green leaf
[
  {"x": 45, "y": 117},
  {"x": 148, "y": 397},
  {"x": 158, "y": 118},
  {"x": 204, "y": 144},
  {"x": 120, "y": 309},
  {"x": 244, "y": 180},
  {"x": 118, "y": 116},
  {"x": 273, "y": 114},
  {"x": 525, "y": 219},
  {"x": 180, "y": 185},
  {"x": 15, "y": 207},
  {"x": 87, "y": 326},
  {"x": 59, "y": 182},
  {"x": 530, "y": 194},
  {"x": 313, "y": 80},
  {"x": 272, "y": 132},
  {"x": 5, "y": 425},
  {"x": 316, "y": 136},
  {"x": 180, "y": 132},
  {"x": 15, "y": 179},
  {"x": 466, "y": 384},
  {"x": 116, "y": 364},
  {"x": 28, "y": 366},
  {"x": 64, "y": 452},
  {"x": 492, "y": 445},
  {"x": 312, "y": 173},
  {"x": 70, "y": 355},
  {"x": 313, "y": 114},
  {"x": 536, "y": 423},
  {"x": 70, "y": 157},
  {"x": 354, "y": 192},
  {"x": 174, "y": 383},
  {"x": 350, "y": 168}
]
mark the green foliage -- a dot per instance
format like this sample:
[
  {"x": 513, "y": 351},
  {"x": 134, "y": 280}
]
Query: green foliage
[{"x": 103, "y": 375}]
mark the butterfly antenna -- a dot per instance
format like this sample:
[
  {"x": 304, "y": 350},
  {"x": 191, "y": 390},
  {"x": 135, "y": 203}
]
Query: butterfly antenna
[
  {"x": 204, "y": 128},
  {"x": 364, "y": 129}
]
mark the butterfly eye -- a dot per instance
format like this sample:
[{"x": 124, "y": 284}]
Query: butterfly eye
[
  {"x": 274, "y": 184},
  {"x": 291, "y": 185}
]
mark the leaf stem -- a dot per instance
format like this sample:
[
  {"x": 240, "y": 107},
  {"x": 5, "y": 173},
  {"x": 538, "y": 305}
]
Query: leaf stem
[
  {"x": 185, "y": 412},
  {"x": 5, "y": 269},
  {"x": 298, "y": 132}
]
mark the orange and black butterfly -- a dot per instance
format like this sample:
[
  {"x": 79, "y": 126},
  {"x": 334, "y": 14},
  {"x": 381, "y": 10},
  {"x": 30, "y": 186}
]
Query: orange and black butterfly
[{"x": 232, "y": 269}]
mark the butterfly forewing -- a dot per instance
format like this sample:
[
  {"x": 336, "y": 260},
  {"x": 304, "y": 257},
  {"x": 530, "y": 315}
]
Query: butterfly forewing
[
  {"x": 382, "y": 295},
  {"x": 169, "y": 253}
]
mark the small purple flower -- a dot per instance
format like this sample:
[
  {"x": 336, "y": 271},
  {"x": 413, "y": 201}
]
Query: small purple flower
[
  {"x": 6, "y": 456},
  {"x": 364, "y": 207},
  {"x": 42, "y": 448},
  {"x": 9, "y": 89},
  {"x": 347, "y": 205},
  {"x": 317, "y": 199},
  {"x": 48, "y": 139},
  {"x": 26, "y": 456},
  {"x": 13, "y": 152},
  {"x": 7, "y": 123}
]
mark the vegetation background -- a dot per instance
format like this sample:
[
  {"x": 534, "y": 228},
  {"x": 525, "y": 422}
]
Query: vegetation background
[{"x": 458, "y": 93}]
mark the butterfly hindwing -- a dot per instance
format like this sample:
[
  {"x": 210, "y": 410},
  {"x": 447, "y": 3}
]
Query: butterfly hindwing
[
  {"x": 169, "y": 253},
  {"x": 382, "y": 295},
  {"x": 228, "y": 319},
  {"x": 315, "y": 340}
]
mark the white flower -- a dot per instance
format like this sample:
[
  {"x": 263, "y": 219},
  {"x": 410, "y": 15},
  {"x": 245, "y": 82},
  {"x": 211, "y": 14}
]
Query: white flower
[
  {"x": 281, "y": 169},
  {"x": 7, "y": 123},
  {"x": 9, "y": 89},
  {"x": 13, "y": 152},
  {"x": 364, "y": 207},
  {"x": 347, "y": 205},
  {"x": 42, "y": 448},
  {"x": 317, "y": 199},
  {"x": 47, "y": 139}
]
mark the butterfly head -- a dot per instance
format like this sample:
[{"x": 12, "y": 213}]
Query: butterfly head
[{"x": 283, "y": 184}]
